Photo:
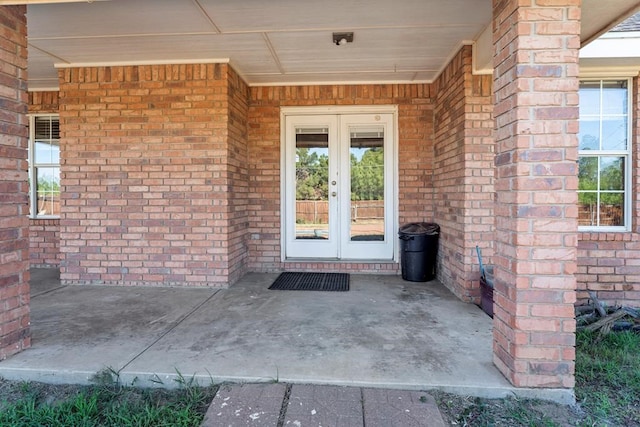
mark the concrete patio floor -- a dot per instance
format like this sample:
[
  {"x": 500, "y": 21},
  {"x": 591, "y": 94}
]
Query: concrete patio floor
[{"x": 384, "y": 332}]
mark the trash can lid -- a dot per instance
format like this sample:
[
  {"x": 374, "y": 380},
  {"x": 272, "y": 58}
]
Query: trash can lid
[{"x": 420, "y": 228}]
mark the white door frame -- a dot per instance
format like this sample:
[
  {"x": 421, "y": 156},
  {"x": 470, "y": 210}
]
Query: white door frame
[{"x": 336, "y": 110}]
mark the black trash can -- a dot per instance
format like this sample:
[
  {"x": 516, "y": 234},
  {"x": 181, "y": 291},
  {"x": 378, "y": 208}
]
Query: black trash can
[{"x": 419, "y": 250}]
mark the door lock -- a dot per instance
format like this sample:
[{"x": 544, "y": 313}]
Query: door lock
[
  {"x": 333, "y": 183},
  {"x": 333, "y": 194}
]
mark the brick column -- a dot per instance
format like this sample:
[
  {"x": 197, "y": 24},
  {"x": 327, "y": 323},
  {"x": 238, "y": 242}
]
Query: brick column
[
  {"x": 14, "y": 227},
  {"x": 536, "y": 46}
]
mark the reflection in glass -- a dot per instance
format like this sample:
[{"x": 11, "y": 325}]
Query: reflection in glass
[
  {"x": 589, "y": 135},
  {"x": 588, "y": 209},
  {"x": 588, "y": 173},
  {"x": 614, "y": 133},
  {"x": 611, "y": 209},
  {"x": 614, "y": 98},
  {"x": 47, "y": 151},
  {"x": 603, "y": 115},
  {"x": 611, "y": 173},
  {"x": 312, "y": 176},
  {"x": 48, "y": 191},
  {"x": 366, "y": 151},
  {"x": 601, "y": 191},
  {"x": 590, "y": 98},
  {"x": 604, "y": 138}
]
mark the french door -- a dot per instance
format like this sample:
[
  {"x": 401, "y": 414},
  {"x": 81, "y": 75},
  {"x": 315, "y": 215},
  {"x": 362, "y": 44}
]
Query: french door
[{"x": 339, "y": 186}]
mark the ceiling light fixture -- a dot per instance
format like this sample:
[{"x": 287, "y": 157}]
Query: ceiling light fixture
[{"x": 341, "y": 39}]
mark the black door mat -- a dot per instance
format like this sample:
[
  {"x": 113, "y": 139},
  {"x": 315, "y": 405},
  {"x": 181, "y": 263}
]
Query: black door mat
[{"x": 337, "y": 282}]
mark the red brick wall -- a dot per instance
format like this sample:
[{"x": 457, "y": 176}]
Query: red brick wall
[
  {"x": 44, "y": 234},
  {"x": 44, "y": 243},
  {"x": 536, "y": 112},
  {"x": 415, "y": 128},
  {"x": 609, "y": 263},
  {"x": 14, "y": 224},
  {"x": 45, "y": 102},
  {"x": 238, "y": 175},
  {"x": 150, "y": 155},
  {"x": 463, "y": 173}
]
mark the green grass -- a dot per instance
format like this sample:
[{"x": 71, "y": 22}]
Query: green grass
[
  {"x": 34, "y": 404},
  {"x": 608, "y": 377},
  {"x": 607, "y": 391}
]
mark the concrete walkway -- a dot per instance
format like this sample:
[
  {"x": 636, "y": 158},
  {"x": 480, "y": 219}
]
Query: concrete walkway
[{"x": 383, "y": 333}]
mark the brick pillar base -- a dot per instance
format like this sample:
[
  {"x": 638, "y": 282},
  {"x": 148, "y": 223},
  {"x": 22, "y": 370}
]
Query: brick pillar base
[{"x": 535, "y": 85}]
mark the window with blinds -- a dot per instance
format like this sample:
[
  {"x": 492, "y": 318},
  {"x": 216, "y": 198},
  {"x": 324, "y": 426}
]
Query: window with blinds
[{"x": 44, "y": 166}]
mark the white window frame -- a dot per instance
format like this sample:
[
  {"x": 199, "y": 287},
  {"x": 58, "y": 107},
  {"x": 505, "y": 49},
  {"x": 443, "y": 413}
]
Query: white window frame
[
  {"x": 33, "y": 188},
  {"x": 626, "y": 154}
]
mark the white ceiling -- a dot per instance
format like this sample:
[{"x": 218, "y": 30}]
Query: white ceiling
[{"x": 271, "y": 42}]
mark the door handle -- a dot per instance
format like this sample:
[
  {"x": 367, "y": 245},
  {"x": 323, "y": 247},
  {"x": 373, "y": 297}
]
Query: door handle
[{"x": 333, "y": 194}]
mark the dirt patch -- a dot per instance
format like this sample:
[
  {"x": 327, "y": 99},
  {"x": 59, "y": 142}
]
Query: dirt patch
[
  {"x": 12, "y": 392},
  {"x": 473, "y": 411}
]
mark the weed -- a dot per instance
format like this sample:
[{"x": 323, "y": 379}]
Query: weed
[
  {"x": 106, "y": 377},
  {"x": 189, "y": 387},
  {"x": 156, "y": 379}
]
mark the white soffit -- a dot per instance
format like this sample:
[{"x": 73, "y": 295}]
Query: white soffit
[
  {"x": 292, "y": 15},
  {"x": 25, "y": 2},
  {"x": 277, "y": 41},
  {"x": 41, "y": 72},
  {"x": 115, "y": 18},
  {"x": 268, "y": 42},
  {"x": 599, "y": 16},
  {"x": 246, "y": 48},
  {"x": 389, "y": 50}
]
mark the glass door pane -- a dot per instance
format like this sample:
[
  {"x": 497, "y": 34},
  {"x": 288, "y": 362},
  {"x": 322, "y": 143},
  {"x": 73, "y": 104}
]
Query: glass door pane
[
  {"x": 366, "y": 162},
  {"x": 312, "y": 183}
]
